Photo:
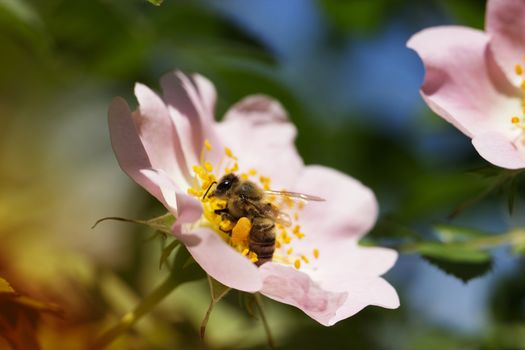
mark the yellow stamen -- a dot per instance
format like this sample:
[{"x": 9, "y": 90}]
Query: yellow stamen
[
  {"x": 289, "y": 251},
  {"x": 297, "y": 264},
  {"x": 300, "y": 205},
  {"x": 515, "y": 120},
  {"x": 241, "y": 231},
  {"x": 194, "y": 192},
  {"x": 229, "y": 153},
  {"x": 252, "y": 172},
  {"x": 296, "y": 216},
  {"x": 226, "y": 225},
  {"x": 316, "y": 253},
  {"x": 518, "y": 69},
  {"x": 208, "y": 167},
  {"x": 305, "y": 259},
  {"x": 207, "y": 145}
]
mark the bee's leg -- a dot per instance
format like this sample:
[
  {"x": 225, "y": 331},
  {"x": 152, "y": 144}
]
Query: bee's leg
[{"x": 225, "y": 215}]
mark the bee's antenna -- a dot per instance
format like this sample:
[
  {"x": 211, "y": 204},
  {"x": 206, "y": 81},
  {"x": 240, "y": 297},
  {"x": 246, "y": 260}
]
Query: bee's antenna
[{"x": 208, "y": 190}]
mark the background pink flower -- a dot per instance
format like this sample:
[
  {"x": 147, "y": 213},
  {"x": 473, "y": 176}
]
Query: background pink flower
[
  {"x": 328, "y": 275},
  {"x": 474, "y": 80}
]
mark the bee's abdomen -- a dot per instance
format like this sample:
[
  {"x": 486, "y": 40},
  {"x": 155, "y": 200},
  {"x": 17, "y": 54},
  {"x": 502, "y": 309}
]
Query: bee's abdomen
[{"x": 262, "y": 239}]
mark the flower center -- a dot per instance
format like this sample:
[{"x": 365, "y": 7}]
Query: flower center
[{"x": 236, "y": 232}]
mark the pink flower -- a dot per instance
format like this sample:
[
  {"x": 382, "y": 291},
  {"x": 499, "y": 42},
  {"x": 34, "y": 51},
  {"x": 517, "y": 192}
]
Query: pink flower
[
  {"x": 173, "y": 147},
  {"x": 474, "y": 80}
]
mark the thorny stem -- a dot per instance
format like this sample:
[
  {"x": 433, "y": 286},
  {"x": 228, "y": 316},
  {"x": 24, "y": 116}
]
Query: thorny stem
[
  {"x": 486, "y": 242},
  {"x": 258, "y": 303},
  {"x": 130, "y": 318}
]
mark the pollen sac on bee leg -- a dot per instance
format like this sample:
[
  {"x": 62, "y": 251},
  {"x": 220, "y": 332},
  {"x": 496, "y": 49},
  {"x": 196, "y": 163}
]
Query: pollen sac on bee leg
[{"x": 241, "y": 231}]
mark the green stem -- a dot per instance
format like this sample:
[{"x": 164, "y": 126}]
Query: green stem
[
  {"x": 130, "y": 318},
  {"x": 258, "y": 303},
  {"x": 486, "y": 242}
]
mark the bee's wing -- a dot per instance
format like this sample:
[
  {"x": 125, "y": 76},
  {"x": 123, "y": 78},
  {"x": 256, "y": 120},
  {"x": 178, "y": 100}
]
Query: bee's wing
[
  {"x": 305, "y": 197},
  {"x": 283, "y": 219}
]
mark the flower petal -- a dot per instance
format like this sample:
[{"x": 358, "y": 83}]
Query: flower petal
[
  {"x": 218, "y": 259},
  {"x": 506, "y": 27},
  {"x": 499, "y": 150},
  {"x": 353, "y": 259},
  {"x": 288, "y": 285},
  {"x": 129, "y": 149},
  {"x": 159, "y": 136},
  {"x": 187, "y": 209},
  {"x": 348, "y": 212},
  {"x": 462, "y": 82},
  {"x": 194, "y": 99},
  {"x": 361, "y": 293},
  {"x": 259, "y": 133}
]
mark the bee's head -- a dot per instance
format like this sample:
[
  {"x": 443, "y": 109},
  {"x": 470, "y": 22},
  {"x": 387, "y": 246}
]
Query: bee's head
[{"x": 226, "y": 183}]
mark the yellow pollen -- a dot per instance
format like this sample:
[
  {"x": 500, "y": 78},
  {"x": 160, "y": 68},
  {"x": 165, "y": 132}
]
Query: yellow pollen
[
  {"x": 316, "y": 253},
  {"x": 265, "y": 182},
  {"x": 296, "y": 229},
  {"x": 252, "y": 172},
  {"x": 243, "y": 176},
  {"x": 305, "y": 259},
  {"x": 297, "y": 264},
  {"x": 300, "y": 205},
  {"x": 207, "y": 145},
  {"x": 241, "y": 231},
  {"x": 296, "y": 216},
  {"x": 245, "y": 252},
  {"x": 523, "y": 85},
  {"x": 289, "y": 201},
  {"x": 289, "y": 251},
  {"x": 226, "y": 225},
  {"x": 194, "y": 192},
  {"x": 519, "y": 69},
  {"x": 208, "y": 167},
  {"x": 229, "y": 153},
  {"x": 515, "y": 120}
]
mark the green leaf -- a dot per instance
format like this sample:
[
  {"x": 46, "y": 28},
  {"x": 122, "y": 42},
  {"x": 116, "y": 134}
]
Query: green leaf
[
  {"x": 452, "y": 253},
  {"x": 459, "y": 261},
  {"x": 156, "y": 2},
  {"x": 451, "y": 233}
]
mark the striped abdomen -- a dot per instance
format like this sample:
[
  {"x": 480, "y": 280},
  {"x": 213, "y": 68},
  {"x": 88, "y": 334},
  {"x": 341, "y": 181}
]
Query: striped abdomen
[{"x": 262, "y": 239}]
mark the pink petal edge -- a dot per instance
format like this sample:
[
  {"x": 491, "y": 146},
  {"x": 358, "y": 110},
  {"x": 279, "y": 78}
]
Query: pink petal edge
[
  {"x": 498, "y": 150},
  {"x": 129, "y": 149},
  {"x": 218, "y": 259},
  {"x": 290, "y": 286},
  {"x": 462, "y": 83},
  {"x": 159, "y": 136}
]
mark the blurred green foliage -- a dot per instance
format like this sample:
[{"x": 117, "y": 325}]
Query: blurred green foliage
[{"x": 62, "y": 62}]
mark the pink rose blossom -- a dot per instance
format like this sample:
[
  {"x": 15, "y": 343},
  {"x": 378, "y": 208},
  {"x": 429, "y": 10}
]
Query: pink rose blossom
[
  {"x": 173, "y": 147},
  {"x": 474, "y": 80}
]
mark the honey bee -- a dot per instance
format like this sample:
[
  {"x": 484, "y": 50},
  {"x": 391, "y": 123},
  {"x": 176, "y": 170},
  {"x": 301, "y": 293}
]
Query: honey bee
[{"x": 246, "y": 199}]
